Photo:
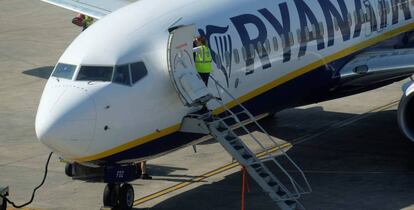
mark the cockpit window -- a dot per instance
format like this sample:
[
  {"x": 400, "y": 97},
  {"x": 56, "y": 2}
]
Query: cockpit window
[
  {"x": 121, "y": 75},
  {"x": 138, "y": 71},
  {"x": 95, "y": 73},
  {"x": 65, "y": 71}
]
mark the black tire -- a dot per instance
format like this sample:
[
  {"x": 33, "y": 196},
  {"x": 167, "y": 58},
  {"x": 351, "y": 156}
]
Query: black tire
[
  {"x": 69, "y": 170},
  {"x": 4, "y": 205},
  {"x": 110, "y": 195},
  {"x": 126, "y": 197}
]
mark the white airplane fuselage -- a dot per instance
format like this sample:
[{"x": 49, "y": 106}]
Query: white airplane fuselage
[{"x": 271, "y": 54}]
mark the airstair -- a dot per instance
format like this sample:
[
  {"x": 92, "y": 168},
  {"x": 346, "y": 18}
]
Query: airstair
[
  {"x": 279, "y": 176},
  {"x": 261, "y": 170}
]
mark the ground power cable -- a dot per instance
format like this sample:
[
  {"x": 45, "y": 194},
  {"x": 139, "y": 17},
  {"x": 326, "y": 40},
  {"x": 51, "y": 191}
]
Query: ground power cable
[{"x": 35, "y": 189}]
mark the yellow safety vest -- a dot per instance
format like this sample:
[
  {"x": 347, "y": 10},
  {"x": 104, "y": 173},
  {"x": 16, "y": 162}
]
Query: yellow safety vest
[
  {"x": 203, "y": 60},
  {"x": 88, "y": 21}
]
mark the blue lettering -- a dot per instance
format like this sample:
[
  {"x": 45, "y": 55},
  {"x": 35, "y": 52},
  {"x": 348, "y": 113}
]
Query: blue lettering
[
  {"x": 282, "y": 29},
  {"x": 382, "y": 4},
  {"x": 330, "y": 11},
  {"x": 241, "y": 22},
  {"x": 305, "y": 14},
  {"x": 405, "y": 7},
  {"x": 363, "y": 17},
  {"x": 359, "y": 18},
  {"x": 372, "y": 16}
]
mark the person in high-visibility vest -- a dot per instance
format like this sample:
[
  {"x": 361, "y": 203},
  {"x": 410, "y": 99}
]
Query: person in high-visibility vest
[
  {"x": 203, "y": 63},
  {"x": 202, "y": 58},
  {"x": 87, "y": 21}
]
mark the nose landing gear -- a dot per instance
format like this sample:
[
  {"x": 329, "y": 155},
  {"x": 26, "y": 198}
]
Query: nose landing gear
[
  {"x": 117, "y": 196},
  {"x": 4, "y": 191}
]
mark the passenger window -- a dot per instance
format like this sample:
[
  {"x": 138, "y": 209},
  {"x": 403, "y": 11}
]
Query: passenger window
[
  {"x": 260, "y": 49},
  {"x": 312, "y": 31},
  {"x": 356, "y": 16},
  {"x": 285, "y": 43},
  {"x": 236, "y": 56},
  {"x": 368, "y": 16},
  {"x": 336, "y": 23},
  {"x": 350, "y": 20},
  {"x": 227, "y": 57},
  {"x": 252, "y": 51},
  {"x": 267, "y": 46},
  {"x": 382, "y": 6},
  {"x": 244, "y": 53},
  {"x": 388, "y": 6},
  {"x": 121, "y": 75},
  {"x": 363, "y": 17},
  {"x": 321, "y": 29},
  {"x": 95, "y": 73},
  {"x": 291, "y": 40},
  {"x": 275, "y": 44},
  {"x": 299, "y": 34},
  {"x": 218, "y": 61},
  {"x": 65, "y": 71},
  {"x": 307, "y": 34},
  {"x": 138, "y": 71}
]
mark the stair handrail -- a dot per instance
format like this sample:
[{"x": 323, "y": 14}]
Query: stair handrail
[{"x": 252, "y": 118}]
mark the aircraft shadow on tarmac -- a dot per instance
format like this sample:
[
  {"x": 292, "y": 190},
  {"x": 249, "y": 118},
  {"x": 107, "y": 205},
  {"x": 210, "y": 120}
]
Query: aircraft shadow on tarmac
[
  {"x": 41, "y": 72},
  {"x": 365, "y": 165},
  {"x": 164, "y": 173}
]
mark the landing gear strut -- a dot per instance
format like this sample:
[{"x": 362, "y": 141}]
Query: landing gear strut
[
  {"x": 69, "y": 169},
  {"x": 119, "y": 196}
]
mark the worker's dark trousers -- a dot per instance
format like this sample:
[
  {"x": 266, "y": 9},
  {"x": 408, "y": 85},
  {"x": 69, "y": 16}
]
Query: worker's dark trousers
[{"x": 205, "y": 77}]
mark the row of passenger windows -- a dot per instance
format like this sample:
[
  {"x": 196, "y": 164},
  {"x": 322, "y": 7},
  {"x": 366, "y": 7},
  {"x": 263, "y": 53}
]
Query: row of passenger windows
[
  {"x": 127, "y": 74},
  {"x": 309, "y": 32},
  {"x": 248, "y": 53}
]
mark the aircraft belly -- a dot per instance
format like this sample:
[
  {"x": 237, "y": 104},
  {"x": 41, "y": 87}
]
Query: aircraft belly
[{"x": 304, "y": 89}]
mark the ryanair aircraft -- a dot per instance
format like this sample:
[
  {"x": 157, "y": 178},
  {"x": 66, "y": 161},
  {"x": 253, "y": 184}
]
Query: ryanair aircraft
[{"x": 117, "y": 94}]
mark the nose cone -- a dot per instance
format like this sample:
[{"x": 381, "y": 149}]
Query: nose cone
[{"x": 65, "y": 120}]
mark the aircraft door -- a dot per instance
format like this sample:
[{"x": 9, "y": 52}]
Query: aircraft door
[{"x": 184, "y": 76}]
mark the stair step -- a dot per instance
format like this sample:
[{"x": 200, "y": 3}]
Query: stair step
[
  {"x": 237, "y": 147},
  {"x": 272, "y": 184},
  {"x": 209, "y": 119},
  {"x": 234, "y": 143},
  {"x": 230, "y": 138},
  {"x": 221, "y": 128},
  {"x": 264, "y": 175},
  {"x": 281, "y": 193},
  {"x": 256, "y": 166},
  {"x": 290, "y": 203},
  {"x": 247, "y": 156}
]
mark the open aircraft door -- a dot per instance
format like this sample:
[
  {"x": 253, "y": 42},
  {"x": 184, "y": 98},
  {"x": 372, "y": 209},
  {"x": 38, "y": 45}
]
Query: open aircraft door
[{"x": 183, "y": 73}]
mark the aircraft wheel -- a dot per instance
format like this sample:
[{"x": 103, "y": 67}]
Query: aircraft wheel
[
  {"x": 3, "y": 205},
  {"x": 126, "y": 197},
  {"x": 68, "y": 170},
  {"x": 110, "y": 195}
]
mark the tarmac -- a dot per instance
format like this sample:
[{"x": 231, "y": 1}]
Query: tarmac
[{"x": 351, "y": 149}]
